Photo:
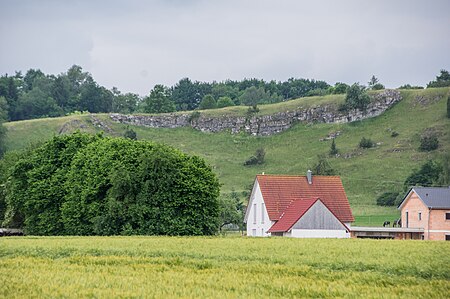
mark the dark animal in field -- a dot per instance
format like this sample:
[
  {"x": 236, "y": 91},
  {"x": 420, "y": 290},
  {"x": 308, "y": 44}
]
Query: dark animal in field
[
  {"x": 386, "y": 223},
  {"x": 10, "y": 232},
  {"x": 397, "y": 223}
]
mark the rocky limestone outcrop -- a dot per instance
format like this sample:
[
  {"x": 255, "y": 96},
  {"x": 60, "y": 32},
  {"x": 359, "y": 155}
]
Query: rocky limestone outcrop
[{"x": 263, "y": 125}]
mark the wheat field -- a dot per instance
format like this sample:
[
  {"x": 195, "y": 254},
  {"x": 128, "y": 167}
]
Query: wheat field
[{"x": 221, "y": 267}]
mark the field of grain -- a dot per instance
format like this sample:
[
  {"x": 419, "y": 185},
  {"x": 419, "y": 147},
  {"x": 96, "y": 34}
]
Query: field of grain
[{"x": 222, "y": 267}]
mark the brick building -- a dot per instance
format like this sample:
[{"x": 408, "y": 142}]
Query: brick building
[{"x": 427, "y": 208}]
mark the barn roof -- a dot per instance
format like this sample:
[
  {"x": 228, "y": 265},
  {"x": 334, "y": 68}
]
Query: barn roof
[
  {"x": 280, "y": 191},
  {"x": 432, "y": 197},
  {"x": 292, "y": 214}
]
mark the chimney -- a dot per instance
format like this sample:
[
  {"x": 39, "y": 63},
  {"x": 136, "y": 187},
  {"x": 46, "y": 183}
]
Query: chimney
[{"x": 309, "y": 176}]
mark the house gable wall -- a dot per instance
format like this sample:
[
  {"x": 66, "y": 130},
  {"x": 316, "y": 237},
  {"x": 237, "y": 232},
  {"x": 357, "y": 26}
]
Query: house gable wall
[
  {"x": 318, "y": 222},
  {"x": 319, "y": 217},
  {"x": 414, "y": 205},
  {"x": 258, "y": 222}
]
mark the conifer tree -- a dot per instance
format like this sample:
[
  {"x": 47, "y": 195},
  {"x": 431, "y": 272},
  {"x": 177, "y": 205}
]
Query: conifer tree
[{"x": 333, "y": 150}]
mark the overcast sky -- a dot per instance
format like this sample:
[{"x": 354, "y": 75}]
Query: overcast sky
[{"x": 134, "y": 45}]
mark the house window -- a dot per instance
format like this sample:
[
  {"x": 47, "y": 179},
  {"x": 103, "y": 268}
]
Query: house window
[
  {"x": 254, "y": 232},
  {"x": 420, "y": 216},
  {"x": 262, "y": 232},
  {"x": 254, "y": 213},
  {"x": 447, "y": 237},
  {"x": 447, "y": 216},
  {"x": 262, "y": 212},
  {"x": 407, "y": 219}
]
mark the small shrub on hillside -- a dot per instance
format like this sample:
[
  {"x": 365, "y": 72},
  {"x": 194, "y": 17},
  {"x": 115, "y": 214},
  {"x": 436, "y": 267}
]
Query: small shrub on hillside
[
  {"x": 130, "y": 134},
  {"x": 394, "y": 134},
  {"x": 340, "y": 88},
  {"x": 252, "y": 110},
  {"x": 387, "y": 199},
  {"x": 374, "y": 84},
  {"x": 224, "y": 102},
  {"x": 429, "y": 142},
  {"x": 366, "y": 143},
  {"x": 257, "y": 158},
  {"x": 378, "y": 86},
  {"x": 194, "y": 116},
  {"x": 409, "y": 86},
  {"x": 323, "y": 167}
]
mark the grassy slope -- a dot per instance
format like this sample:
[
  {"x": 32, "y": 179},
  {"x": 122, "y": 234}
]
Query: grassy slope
[
  {"x": 367, "y": 174},
  {"x": 205, "y": 267}
]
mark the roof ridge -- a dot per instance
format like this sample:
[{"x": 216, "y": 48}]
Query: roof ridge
[
  {"x": 295, "y": 175},
  {"x": 431, "y": 187}
]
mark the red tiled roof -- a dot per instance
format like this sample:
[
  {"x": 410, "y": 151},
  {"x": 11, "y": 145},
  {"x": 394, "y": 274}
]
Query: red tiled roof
[
  {"x": 280, "y": 191},
  {"x": 292, "y": 214}
]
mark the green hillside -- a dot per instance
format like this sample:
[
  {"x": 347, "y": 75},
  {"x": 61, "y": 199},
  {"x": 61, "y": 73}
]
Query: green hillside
[{"x": 365, "y": 173}]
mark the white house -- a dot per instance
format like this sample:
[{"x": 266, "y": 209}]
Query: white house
[{"x": 298, "y": 206}]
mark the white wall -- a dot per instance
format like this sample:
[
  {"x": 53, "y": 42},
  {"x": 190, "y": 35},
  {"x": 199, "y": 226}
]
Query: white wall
[
  {"x": 258, "y": 222},
  {"x": 317, "y": 233}
]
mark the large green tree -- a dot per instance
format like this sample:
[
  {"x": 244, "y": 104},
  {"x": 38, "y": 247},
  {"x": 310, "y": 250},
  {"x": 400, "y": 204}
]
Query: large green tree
[
  {"x": 357, "y": 97},
  {"x": 224, "y": 102},
  {"x": 92, "y": 185},
  {"x": 120, "y": 186},
  {"x": 34, "y": 190},
  {"x": 159, "y": 100},
  {"x": 187, "y": 94},
  {"x": 208, "y": 102},
  {"x": 426, "y": 176},
  {"x": 37, "y": 102},
  {"x": 124, "y": 103},
  {"x": 442, "y": 80}
]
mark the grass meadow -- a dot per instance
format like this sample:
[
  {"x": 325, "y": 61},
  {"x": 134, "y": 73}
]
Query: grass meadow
[
  {"x": 366, "y": 174},
  {"x": 222, "y": 267}
]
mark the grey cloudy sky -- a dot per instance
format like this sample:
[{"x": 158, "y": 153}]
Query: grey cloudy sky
[{"x": 134, "y": 45}]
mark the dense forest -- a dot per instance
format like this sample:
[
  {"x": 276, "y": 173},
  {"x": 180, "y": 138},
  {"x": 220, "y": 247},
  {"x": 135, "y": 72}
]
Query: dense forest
[{"x": 36, "y": 94}]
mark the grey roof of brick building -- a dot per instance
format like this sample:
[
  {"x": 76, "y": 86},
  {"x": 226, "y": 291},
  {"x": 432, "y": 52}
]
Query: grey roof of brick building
[{"x": 432, "y": 197}]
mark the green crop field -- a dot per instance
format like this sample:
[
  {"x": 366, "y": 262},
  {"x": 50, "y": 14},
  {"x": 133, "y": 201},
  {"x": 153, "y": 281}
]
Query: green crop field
[
  {"x": 365, "y": 173},
  {"x": 222, "y": 267}
]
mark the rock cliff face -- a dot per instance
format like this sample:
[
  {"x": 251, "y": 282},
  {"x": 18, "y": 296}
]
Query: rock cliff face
[{"x": 263, "y": 124}]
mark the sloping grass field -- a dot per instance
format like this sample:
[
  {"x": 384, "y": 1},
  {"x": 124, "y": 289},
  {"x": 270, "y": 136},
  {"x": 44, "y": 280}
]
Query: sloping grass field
[
  {"x": 222, "y": 267},
  {"x": 365, "y": 173}
]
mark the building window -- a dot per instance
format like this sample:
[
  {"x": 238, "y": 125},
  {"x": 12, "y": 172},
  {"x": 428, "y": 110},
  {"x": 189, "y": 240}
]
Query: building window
[
  {"x": 420, "y": 216},
  {"x": 262, "y": 232},
  {"x": 407, "y": 219},
  {"x": 447, "y": 237},
  {"x": 254, "y": 232},
  {"x": 254, "y": 213},
  {"x": 447, "y": 216},
  {"x": 262, "y": 212}
]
